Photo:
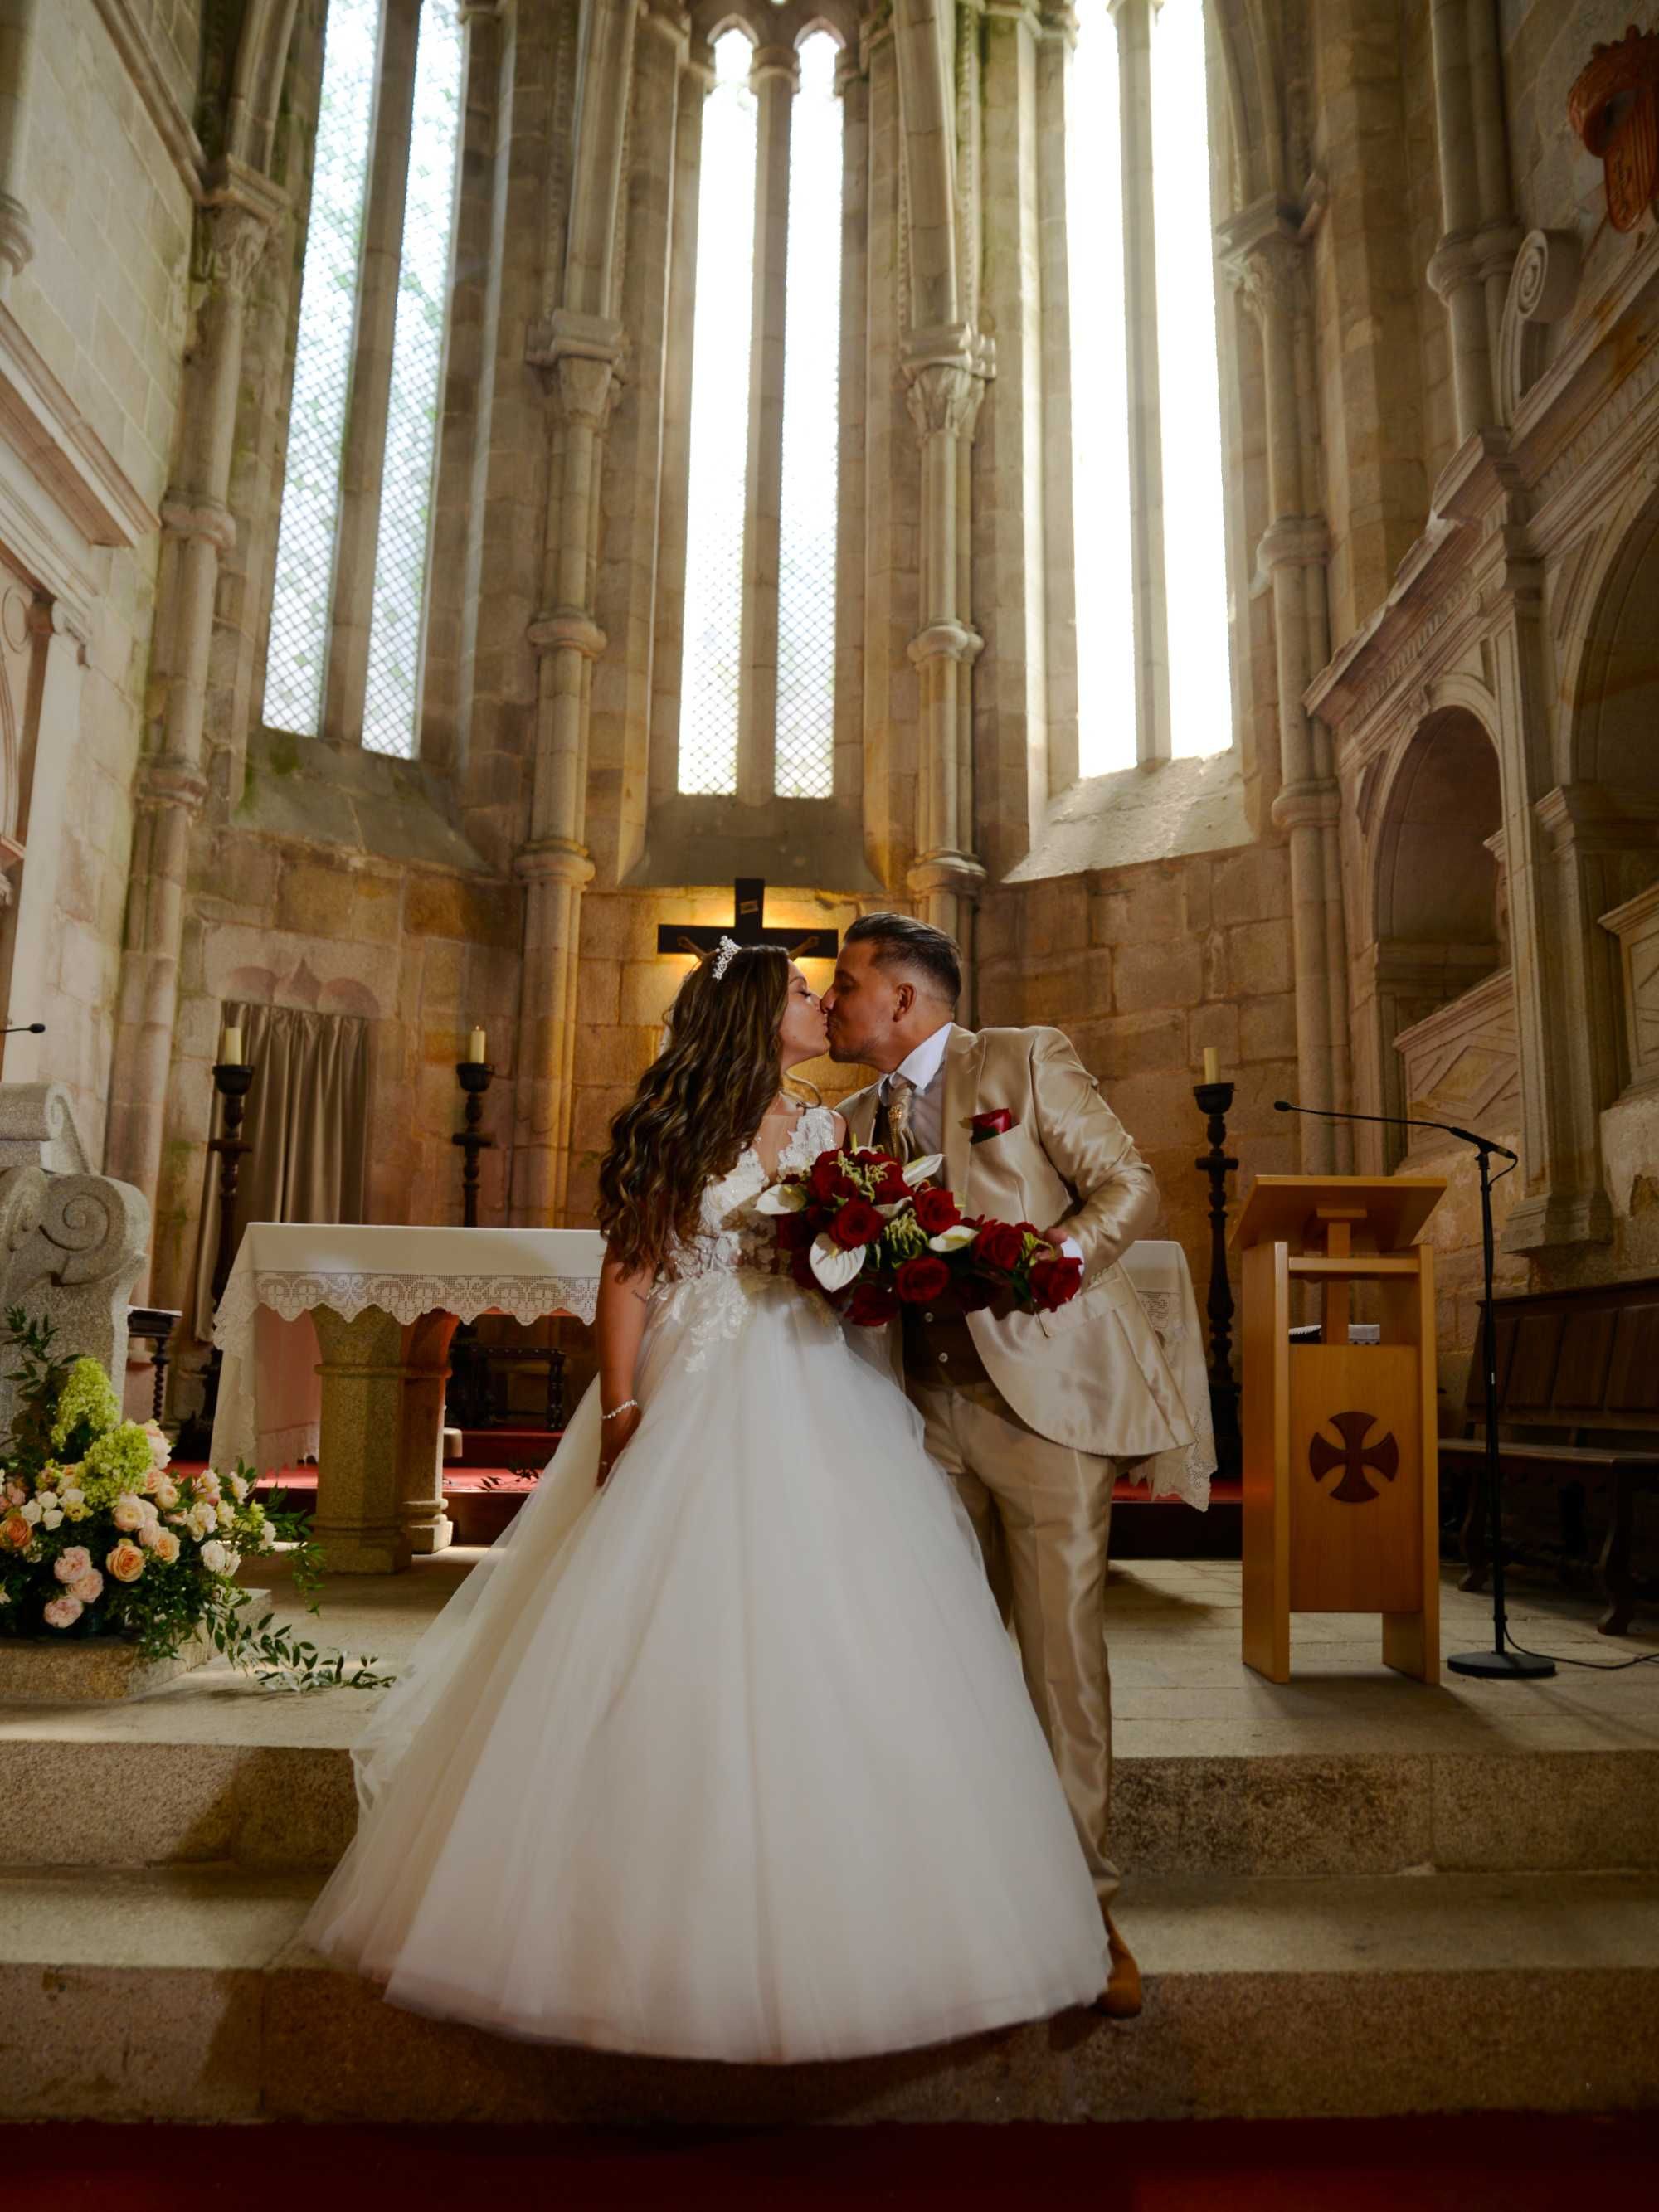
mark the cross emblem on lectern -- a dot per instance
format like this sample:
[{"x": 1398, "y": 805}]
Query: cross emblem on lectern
[
  {"x": 748, "y": 927},
  {"x": 1353, "y": 1457}
]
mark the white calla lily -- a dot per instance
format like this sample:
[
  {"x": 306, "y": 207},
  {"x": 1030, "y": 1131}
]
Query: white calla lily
[
  {"x": 898, "y": 1206},
  {"x": 782, "y": 1198},
  {"x": 953, "y": 1238},
  {"x": 835, "y": 1268},
  {"x": 918, "y": 1172}
]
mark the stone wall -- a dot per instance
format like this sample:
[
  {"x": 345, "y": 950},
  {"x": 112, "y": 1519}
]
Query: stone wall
[{"x": 105, "y": 302}]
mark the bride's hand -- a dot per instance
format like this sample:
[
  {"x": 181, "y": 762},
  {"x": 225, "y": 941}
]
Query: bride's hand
[{"x": 614, "y": 1435}]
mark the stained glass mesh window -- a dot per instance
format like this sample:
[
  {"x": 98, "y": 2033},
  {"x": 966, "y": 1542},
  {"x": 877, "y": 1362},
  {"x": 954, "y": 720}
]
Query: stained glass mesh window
[
  {"x": 400, "y": 554},
  {"x": 711, "y": 667},
  {"x": 322, "y": 368},
  {"x": 805, "y": 763},
  {"x": 1100, "y": 403},
  {"x": 1189, "y": 386}
]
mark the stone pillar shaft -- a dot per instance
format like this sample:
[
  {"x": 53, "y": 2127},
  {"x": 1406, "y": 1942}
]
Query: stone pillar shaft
[
  {"x": 1455, "y": 270},
  {"x": 362, "y": 461},
  {"x": 1133, "y": 19},
  {"x": 774, "y": 77},
  {"x": 19, "y": 23}
]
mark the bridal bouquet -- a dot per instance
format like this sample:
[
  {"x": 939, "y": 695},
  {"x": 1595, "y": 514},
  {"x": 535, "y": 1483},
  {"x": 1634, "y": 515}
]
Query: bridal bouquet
[
  {"x": 98, "y": 1538},
  {"x": 875, "y": 1235}
]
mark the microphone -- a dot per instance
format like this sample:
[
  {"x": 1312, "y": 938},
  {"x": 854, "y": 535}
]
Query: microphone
[
  {"x": 1400, "y": 1122},
  {"x": 25, "y": 1028}
]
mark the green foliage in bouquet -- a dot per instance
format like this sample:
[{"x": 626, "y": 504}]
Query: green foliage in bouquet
[{"x": 98, "y": 1539}]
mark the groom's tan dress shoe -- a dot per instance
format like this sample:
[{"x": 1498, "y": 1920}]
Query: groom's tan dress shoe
[{"x": 1121, "y": 1998}]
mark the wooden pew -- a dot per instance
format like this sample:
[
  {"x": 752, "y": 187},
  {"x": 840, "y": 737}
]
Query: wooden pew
[{"x": 1578, "y": 1419}]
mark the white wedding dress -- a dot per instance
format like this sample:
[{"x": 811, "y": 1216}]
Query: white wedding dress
[{"x": 731, "y": 1758}]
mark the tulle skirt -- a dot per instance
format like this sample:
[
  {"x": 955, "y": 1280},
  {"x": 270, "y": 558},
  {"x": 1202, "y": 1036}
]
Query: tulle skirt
[{"x": 732, "y": 1759}]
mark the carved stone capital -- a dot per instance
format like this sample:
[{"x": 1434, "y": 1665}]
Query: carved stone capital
[
  {"x": 240, "y": 208},
  {"x": 775, "y": 62},
  {"x": 946, "y": 371},
  {"x": 553, "y": 860},
  {"x": 73, "y": 1245},
  {"x": 1261, "y": 250},
  {"x": 166, "y": 780},
  {"x": 1293, "y": 541},
  {"x": 1459, "y": 260},
  {"x": 209, "y": 519},
  {"x": 585, "y": 354},
  {"x": 946, "y": 641},
  {"x": 567, "y": 630},
  {"x": 1304, "y": 805},
  {"x": 960, "y": 873}
]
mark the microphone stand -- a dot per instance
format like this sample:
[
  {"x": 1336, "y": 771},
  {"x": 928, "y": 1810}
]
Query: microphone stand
[{"x": 1500, "y": 1663}]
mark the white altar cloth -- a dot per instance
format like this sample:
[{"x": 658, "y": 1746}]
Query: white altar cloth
[{"x": 270, "y": 1397}]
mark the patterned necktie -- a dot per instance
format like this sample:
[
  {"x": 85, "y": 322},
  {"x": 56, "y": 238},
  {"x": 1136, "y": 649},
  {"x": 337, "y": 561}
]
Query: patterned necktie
[{"x": 896, "y": 1092}]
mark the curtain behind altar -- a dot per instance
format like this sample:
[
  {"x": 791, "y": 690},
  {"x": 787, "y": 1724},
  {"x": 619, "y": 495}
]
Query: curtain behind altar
[{"x": 307, "y": 1122}]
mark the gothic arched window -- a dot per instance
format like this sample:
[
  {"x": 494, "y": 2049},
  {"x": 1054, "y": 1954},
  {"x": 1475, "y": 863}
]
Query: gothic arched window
[
  {"x": 346, "y": 617},
  {"x": 1152, "y": 634},
  {"x": 758, "y": 678}
]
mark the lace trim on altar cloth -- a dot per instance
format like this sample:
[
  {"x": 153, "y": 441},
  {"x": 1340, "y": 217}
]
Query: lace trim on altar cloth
[{"x": 406, "y": 1297}]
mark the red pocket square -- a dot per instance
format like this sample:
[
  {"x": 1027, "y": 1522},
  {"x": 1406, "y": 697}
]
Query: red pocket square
[{"x": 991, "y": 1123}]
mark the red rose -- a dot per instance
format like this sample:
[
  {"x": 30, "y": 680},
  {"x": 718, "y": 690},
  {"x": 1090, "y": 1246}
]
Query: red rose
[
  {"x": 795, "y": 1232},
  {"x": 999, "y": 1246},
  {"x": 892, "y": 1186},
  {"x": 871, "y": 1303},
  {"x": 991, "y": 1123},
  {"x": 1055, "y": 1281},
  {"x": 921, "y": 1278},
  {"x": 829, "y": 1179},
  {"x": 858, "y": 1223},
  {"x": 936, "y": 1210}
]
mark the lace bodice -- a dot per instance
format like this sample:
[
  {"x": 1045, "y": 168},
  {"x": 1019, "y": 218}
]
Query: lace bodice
[{"x": 733, "y": 1238}]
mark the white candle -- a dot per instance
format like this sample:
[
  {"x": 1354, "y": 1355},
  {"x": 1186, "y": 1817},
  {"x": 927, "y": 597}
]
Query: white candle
[
  {"x": 475, "y": 1046},
  {"x": 230, "y": 1051},
  {"x": 1212, "y": 1064}
]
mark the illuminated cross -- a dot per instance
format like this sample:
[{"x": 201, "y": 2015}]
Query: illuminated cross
[
  {"x": 1353, "y": 1458},
  {"x": 748, "y": 927}
]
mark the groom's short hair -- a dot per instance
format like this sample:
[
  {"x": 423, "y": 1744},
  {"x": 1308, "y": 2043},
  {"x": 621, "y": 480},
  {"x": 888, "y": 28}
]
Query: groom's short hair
[{"x": 899, "y": 940}]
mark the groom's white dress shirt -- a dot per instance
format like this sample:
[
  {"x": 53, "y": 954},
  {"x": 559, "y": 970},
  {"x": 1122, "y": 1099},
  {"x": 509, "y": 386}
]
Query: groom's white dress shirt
[{"x": 925, "y": 1068}]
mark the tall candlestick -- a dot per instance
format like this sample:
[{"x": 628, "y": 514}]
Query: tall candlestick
[
  {"x": 230, "y": 1050},
  {"x": 1212, "y": 1064},
  {"x": 475, "y": 1047}
]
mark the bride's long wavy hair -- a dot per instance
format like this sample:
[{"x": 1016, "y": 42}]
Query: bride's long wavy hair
[{"x": 699, "y": 1103}]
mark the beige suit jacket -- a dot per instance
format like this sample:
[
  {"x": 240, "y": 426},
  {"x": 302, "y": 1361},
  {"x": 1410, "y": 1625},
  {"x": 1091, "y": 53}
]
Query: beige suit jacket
[{"x": 1091, "y": 1374}]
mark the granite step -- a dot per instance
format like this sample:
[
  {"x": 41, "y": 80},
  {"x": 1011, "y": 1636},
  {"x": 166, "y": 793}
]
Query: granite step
[
  {"x": 182, "y": 1993},
  {"x": 77, "y": 1798}
]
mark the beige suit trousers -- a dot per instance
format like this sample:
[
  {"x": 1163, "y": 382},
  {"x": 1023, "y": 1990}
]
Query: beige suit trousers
[{"x": 1042, "y": 1512}]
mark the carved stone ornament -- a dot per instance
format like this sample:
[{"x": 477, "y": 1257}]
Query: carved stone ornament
[
  {"x": 1543, "y": 286},
  {"x": 1614, "y": 108}
]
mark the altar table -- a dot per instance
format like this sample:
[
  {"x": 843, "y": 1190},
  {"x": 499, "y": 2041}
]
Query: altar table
[{"x": 381, "y": 1302}]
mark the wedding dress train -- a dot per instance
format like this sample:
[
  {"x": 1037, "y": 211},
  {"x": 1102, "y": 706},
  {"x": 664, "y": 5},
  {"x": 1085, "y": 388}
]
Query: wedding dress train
[{"x": 731, "y": 1758}]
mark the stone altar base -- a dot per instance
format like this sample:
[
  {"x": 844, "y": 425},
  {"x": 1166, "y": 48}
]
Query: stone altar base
[
  {"x": 94, "y": 1670},
  {"x": 1350, "y": 1895}
]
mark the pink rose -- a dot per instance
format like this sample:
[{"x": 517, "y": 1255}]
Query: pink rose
[
  {"x": 88, "y": 1587},
  {"x": 69, "y": 1565},
  {"x": 63, "y": 1612},
  {"x": 16, "y": 1533},
  {"x": 127, "y": 1512},
  {"x": 167, "y": 1546},
  {"x": 127, "y": 1561}
]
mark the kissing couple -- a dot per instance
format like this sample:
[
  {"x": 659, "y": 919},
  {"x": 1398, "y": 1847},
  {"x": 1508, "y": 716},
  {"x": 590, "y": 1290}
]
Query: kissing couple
[{"x": 722, "y": 1750}]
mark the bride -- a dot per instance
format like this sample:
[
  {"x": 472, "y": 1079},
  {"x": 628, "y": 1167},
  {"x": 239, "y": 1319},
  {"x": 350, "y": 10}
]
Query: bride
[{"x": 721, "y": 1751}]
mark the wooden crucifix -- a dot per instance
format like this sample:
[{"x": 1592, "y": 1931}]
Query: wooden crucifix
[{"x": 747, "y": 926}]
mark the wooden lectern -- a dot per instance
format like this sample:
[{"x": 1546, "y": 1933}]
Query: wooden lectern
[{"x": 1340, "y": 1460}]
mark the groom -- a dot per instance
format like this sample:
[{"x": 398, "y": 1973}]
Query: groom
[{"x": 1029, "y": 1413}]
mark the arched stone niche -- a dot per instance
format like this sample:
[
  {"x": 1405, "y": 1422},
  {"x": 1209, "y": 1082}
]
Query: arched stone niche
[{"x": 1443, "y": 1008}]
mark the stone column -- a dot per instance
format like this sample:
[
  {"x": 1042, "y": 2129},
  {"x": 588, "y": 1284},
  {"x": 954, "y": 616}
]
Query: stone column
[
  {"x": 19, "y": 23},
  {"x": 852, "y": 87},
  {"x": 776, "y": 77},
  {"x": 1461, "y": 263},
  {"x": 426, "y": 1370},
  {"x": 1133, "y": 19},
  {"x": 359, "y": 1520},
  {"x": 362, "y": 460},
  {"x": 945, "y": 372},
  {"x": 582, "y": 352},
  {"x": 170, "y": 785},
  {"x": 57, "y": 732},
  {"x": 1262, "y": 253}
]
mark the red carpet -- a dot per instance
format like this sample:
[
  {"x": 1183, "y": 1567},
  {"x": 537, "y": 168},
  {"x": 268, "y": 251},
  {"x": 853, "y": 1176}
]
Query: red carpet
[{"x": 1496, "y": 2163}]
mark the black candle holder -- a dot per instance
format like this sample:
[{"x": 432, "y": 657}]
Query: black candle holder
[
  {"x": 1214, "y": 1101},
  {"x": 475, "y": 1077},
  {"x": 232, "y": 1081}
]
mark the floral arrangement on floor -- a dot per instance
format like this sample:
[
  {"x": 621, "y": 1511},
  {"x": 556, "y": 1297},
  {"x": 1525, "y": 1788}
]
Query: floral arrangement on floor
[
  {"x": 876, "y": 1235},
  {"x": 98, "y": 1539}
]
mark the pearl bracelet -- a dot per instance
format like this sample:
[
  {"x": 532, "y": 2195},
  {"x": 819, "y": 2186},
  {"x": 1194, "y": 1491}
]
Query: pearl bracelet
[{"x": 628, "y": 1406}]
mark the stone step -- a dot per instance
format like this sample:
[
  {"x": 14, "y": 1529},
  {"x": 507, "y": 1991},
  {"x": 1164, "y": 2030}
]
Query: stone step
[
  {"x": 183, "y": 1994},
  {"x": 78, "y": 1799}
]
